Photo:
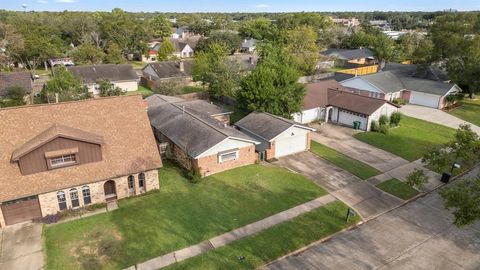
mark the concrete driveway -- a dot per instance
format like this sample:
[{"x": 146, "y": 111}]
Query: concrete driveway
[
  {"x": 318, "y": 170},
  {"x": 435, "y": 116},
  {"x": 418, "y": 235},
  {"x": 365, "y": 198},
  {"x": 340, "y": 139},
  {"x": 21, "y": 247}
]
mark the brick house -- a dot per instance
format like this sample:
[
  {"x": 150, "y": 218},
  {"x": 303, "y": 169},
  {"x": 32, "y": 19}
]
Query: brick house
[
  {"x": 68, "y": 155},
  {"x": 278, "y": 136},
  {"x": 199, "y": 138}
]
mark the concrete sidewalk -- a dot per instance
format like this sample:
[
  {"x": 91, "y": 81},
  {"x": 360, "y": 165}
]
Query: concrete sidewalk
[{"x": 226, "y": 238}]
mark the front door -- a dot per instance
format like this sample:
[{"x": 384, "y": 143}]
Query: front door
[
  {"x": 110, "y": 190},
  {"x": 261, "y": 156}
]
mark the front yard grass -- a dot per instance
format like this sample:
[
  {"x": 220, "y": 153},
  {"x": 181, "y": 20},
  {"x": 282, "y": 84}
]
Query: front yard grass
[
  {"x": 267, "y": 245},
  {"x": 469, "y": 111},
  {"x": 412, "y": 139},
  {"x": 340, "y": 160},
  {"x": 180, "y": 214},
  {"x": 398, "y": 189}
]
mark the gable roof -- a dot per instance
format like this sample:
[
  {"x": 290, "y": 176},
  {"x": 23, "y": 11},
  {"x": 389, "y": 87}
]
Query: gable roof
[
  {"x": 316, "y": 94},
  {"x": 348, "y": 54},
  {"x": 429, "y": 73},
  {"x": 266, "y": 126},
  {"x": 386, "y": 81},
  {"x": 196, "y": 105},
  {"x": 22, "y": 79},
  {"x": 354, "y": 102},
  {"x": 111, "y": 72},
  {"x": 55, "y": 131},
  {"x": 128, "y": 143},
  {"x": 170, "y": 69},
  {"x": 192, "y": 131}
]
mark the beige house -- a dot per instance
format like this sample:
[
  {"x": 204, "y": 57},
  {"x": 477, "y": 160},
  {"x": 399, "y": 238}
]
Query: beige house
[{"x": 68, "y": 155}]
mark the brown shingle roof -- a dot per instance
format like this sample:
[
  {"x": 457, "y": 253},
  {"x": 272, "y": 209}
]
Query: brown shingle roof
[
  {"x": 22, "y": 79},
  {"x": 317, "y": 95},
  {"x": 354, "y": 102},
  {"x": 122, "y": 122}
]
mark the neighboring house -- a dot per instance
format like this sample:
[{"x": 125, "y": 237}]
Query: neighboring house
[
  {"x": 66, "y": 62},
  {"x": 182, "y": 48},
  {"x": 397, "y": 82},
  {"x": 168, "y": 70},
  {"x": 350, "y": 57},
  {"x": 196, "y": 139},
  {"x": 329, "y": 101},
  {"x": 68, "y": 155},
  {"x": 352, "y": 22},
  {"x": 122, "y": 76},
  {"x": 182, "y": 33},
  {"x": 278, "y": 136},
  {"x": 395, "y": 35},
  {"x": 248, "y": 45},
  {"x": 381, "y": 24},
  {"x": 10, "y": 79}
]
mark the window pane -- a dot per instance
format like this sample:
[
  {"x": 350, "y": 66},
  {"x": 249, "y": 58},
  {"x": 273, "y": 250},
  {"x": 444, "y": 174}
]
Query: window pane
[
  {"x": 228, "y": 156},
  {"x": 141, "y": 180}
]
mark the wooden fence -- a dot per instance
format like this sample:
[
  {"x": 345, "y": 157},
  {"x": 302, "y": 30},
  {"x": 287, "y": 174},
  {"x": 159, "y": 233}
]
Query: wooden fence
[{"x": 361, "y": 70}]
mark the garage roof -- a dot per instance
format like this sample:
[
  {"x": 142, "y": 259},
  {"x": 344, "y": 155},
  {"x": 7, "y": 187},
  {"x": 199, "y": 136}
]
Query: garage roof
[
  {"x": 316, "y": 95},
  {"x": 354, "y": 102}
]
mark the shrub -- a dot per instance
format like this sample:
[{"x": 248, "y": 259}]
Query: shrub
[
  {"x": 417, "y": 178},
  {"x": 374, "y": 126},
  {"x": 395, "y": 119},
  {"x": 194, "y": 176},
  {"x": 399, "y": 101},
  {"x": 383, "y": 129},
  {"x": 383, "y": 120}
]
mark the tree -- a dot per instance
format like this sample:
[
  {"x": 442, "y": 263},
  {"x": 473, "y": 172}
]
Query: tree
[
  {"x": 114, "y": 55},
  {"x": 107, "y": 89},
  {"x": 408, "y": 44},
  {"x": 13, "y": 43},
  {"x": 230, "y": 39},
  {"x": 423, "y": 52},
  {"x": 160, "y": 27},
  {"x": 273, "y": 85},
  {"x": 87, "y": 54},
  {"x": 65, "y": 85},
  {"x": 301, "y": 45},
  {"x": 259, "y": 29},
  {"x": 383, "y": 48},
  {"x": 464, "y": 199},
  {"x": 166, "y": 50},
  {"x": 464, "y": 68},
  {"x": 15, "y": 97},
  {"x": 417, "y": 178},
  {"x": 169, "y": 87},
  {"x": 216, "y": 71}
]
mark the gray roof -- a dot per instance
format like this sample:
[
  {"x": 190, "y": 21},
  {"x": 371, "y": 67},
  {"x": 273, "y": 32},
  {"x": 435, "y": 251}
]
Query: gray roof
[
  {"x": 21, "y": 79},
  {"x": 248, "y": 43},
  {"x": 348, "y": 54},
  {"x": 111, "y": 72},
  {"x": 192, "y": 131},
  {"x": 197, "y": 105},
  {"x": 430, "y": 73},
  {"x": 170, "y": 69},
  {"x": 265, "y": 125},
  {"x": 391, "y": 81}
]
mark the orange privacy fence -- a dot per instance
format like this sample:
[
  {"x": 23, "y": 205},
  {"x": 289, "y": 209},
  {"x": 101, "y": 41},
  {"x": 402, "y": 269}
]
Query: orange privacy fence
[{"x": 361, "y": 70}]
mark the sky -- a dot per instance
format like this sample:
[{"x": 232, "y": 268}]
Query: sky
[{"x": 241, "y": 6}]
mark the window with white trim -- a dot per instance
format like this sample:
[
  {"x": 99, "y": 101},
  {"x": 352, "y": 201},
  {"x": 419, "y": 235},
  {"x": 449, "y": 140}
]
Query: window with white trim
[
  {"x": 63, "y": 160},
  {"x": 227, "y": 156},
  {"x": 87, "y": 199},
  {"x": 62, "y": 202}
]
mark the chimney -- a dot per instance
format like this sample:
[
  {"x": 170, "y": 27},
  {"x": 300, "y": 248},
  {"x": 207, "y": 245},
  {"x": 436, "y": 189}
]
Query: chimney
[{"x": 182, "y": 66}]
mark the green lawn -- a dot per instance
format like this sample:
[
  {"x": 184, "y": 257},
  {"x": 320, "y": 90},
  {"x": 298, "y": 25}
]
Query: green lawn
[
  {"x": 179, "y": 215},
  {"x": 398, "y": 188},
  {"x": 340, "y": 160},
  {"x": 469, "y": 111},
  {"x": 274, "y": 242},
  {"x": 411, "y": 139}
]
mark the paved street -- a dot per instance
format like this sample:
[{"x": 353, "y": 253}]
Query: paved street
[
  {"x": 435, "y": 116},
  {"x": 419, "y": 235},
  {"x": 21, "y": 247},
  {"x": 340, "y": 139}
]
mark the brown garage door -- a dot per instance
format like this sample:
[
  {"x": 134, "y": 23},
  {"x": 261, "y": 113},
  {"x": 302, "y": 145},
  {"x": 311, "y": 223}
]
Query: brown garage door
[{"x": 21, "y": 210}]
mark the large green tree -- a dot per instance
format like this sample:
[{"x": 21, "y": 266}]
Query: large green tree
[
  {"x": 166, "y": 50},
  {"x": 114, "y": 54},
  {"x": 220, "y": 74},
  {"x": 64, "y": 85},
  {"x": 259, "y": 29},
  {"x": 464, "y": 199},
  {"x": 230, "y": 39},
  {"x": 273, "y": 85},
  {"x": 301, "y": 45},
  {"x": 160, "y": 26},
  {"x": 87, "y": 54}
]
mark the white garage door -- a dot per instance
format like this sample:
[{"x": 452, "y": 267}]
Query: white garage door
[
  {"x": 424, "y": 99},
  {"x": 347, "y": 118},
  {"x": 290, "y": 145}
]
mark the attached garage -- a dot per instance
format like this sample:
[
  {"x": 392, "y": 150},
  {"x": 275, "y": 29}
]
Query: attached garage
[
  {"x": 424, "y": 99},
  {"x": 291, "y": 143},
  {"x": 21, "y": 210},
  {"x": 347, "y": 118}
]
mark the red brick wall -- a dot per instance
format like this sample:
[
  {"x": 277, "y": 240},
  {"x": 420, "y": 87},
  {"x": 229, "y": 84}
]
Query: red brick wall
[
  {"x": 209, "y": 165},
  {"x": 270, "y": 153}
]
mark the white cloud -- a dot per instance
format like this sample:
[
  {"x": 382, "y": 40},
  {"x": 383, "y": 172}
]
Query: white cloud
[
  {"x": 66, "y": 1},
  {"x": 262, "y": 6},
  {"x": 42, "y": 2}
]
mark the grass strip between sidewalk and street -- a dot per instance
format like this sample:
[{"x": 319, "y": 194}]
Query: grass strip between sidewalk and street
[{"x": 398, "y": 189}]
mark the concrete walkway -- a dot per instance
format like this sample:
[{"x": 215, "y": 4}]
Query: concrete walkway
[
  {"x": 21, "y": 247},
  {"x": 340, "y": 139},
  {"x": 418, "y": 235},
  {"x": 435, "y": 116},
  {"x": 226, "y": 238}
]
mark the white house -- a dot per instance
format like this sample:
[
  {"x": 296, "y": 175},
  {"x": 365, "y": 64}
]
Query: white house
[
  {"x": 329, "y": 101},
  {"x": 393, "y": 85},
  {"x": 278, "y": 136},
  {"x": 248, "y": 45},
  {"x": 122, "y": 76}
]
